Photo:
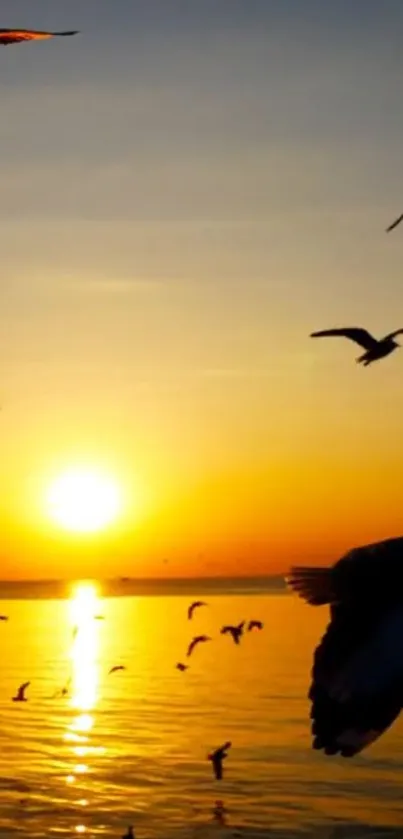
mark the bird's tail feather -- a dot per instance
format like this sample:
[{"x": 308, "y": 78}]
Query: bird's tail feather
[{"x": 312, "y": 584}]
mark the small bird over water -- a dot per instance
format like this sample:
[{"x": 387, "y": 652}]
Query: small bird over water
[
  {"x": 235, "y": 631},
  {"x": 16, "y": 36},
  {"x": 254, "y": 625},
  {"x": 116, "y": 668},
  {"x": 3, "y": 617},
  {"x": 193, "y": 606},
  {"x": 199, "y": 639},
  {"x": 374, "y": 349},
  {"x": 181, "y": 667},
  {"x": 356, "y": 691},
  {"x": 394, "y": 224},
  {"x": 217, "y": 758},
  {"x": 20, "y": 695}
]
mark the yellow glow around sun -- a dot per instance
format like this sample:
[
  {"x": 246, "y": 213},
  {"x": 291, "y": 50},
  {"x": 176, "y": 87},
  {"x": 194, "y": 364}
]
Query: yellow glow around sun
[{"x": 83, "y": 501}]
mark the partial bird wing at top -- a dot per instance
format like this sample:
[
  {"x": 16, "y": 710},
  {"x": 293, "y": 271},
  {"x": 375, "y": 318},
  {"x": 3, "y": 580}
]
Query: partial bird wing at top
[
  {"x": 357, "y": 679},
  {"x": 354, "y": 333},
  {"x": 15, "y": 36},
  {"x": 394, "y": 224},
  {"x": 393, "y": 334}
]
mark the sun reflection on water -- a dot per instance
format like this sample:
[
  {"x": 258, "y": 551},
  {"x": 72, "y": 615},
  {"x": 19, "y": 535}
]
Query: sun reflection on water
[{"x": 84, "y": 682}]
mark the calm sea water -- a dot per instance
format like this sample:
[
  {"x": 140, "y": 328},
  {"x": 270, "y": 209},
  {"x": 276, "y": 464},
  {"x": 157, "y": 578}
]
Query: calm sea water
[{"x": 131, "y": 747}]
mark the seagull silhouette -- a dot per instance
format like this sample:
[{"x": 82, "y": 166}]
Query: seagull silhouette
[
  {"x": 374, "y": 349},
  {"x": 198, "y": 639},
  {"x": 16, "y": 36},
  {"x": 235, "y": 631},
  {"x": 193, "y": 606},
  {"x": 394, "y": 224},
  {"x": 181, "y": 667},
  {"x": 116, "y": 668},
  {"x": 20, "y": 695},
  {"x": 356, "y": 690},
  {"x": 217, "y": 758},
  {"x": 255, "y": 625}
]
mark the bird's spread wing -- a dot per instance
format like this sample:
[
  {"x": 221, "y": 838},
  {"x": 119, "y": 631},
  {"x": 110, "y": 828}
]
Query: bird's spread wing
[
  {"x": 393, "y": 334},
  {"x": 354, "y": 333},
  {"x": 15, "y": 36},
  {"x": 394, "y": 224},
  {"x": 357, "y": 679}
]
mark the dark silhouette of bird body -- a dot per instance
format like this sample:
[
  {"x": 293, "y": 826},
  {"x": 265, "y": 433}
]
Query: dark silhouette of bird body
[
  {"x": 235, "y": 631},
  {"x": 20, "y": 695},
  {"x": 181, "y": 667},
  {"x": 217, "y": 758},
  {"x": 394, "y": 224},
  {"x": 16, "y": 36},
  {"x": 255, "y": 625},
  {"x": 116, "y": 668},
  {"x": 198, "y": 639},
  {"x": 374, "y": 349},
  {"x": 356, "y": 690},
  {"x": 193, "y": 606},
  {"x": 3, "y": 617}
]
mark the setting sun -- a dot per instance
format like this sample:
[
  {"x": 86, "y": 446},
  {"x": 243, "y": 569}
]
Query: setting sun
[{"x": 83, "y": 501}]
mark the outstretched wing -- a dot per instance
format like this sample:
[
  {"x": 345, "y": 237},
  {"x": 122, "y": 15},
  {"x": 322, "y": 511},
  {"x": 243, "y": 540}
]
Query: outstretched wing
[
  {"x": 394, "y": 224},
  {"x": 15, "y": 36},
  {"x": 357, "y": 679},
  {"x": 393, "y": 334},
  {"x": 354, "y": 333}
]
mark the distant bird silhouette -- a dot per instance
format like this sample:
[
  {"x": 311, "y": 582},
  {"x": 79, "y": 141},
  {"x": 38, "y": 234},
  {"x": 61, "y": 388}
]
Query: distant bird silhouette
[
  {"x": 182, "y": 667},
  {"x": 374, "y": 349},
  {"x": 235, "y": 631},
  {"x": 193, "y": 606},
  {"x": 356, "y": 691},
  {"x": 217, "y": 758},
  {"x": 116, "y": 668},
  {"x": 20, "y": 695},
  {"x": 16, "y": 36},
  {"x": 3, "y": 617},
  {"x": 199, "y": 639},
  {"x": 394, "y": 224},
  {"x": 254, "y": 625}
]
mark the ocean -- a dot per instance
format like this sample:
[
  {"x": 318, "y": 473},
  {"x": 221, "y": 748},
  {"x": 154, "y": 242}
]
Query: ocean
[{"x": 131, "y": 747}]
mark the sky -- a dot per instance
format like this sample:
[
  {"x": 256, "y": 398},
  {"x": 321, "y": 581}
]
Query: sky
[{"x": 189, "y": 189}]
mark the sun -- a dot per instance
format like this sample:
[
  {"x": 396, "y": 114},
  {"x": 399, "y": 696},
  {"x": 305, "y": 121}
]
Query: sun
[{"x": 83, "y": 500}]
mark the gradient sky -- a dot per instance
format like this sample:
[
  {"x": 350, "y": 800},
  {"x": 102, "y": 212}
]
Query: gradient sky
[{"x": 189, "y": 188}]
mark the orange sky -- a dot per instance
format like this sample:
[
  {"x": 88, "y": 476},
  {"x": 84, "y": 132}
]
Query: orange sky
[{"x": 184, "y": 200}]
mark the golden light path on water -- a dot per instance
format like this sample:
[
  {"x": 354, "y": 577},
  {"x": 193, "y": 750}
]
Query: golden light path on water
[{"x": 84, "y": 682}]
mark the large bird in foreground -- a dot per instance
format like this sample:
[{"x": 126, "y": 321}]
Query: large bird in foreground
[
  {"x": 394, "y": 224},
  {"x": 16, "y": 36},
  {"x": 356, "y": 691},
  {"x": 374, "y": 349},
  {"x": 217, "y": 758}
]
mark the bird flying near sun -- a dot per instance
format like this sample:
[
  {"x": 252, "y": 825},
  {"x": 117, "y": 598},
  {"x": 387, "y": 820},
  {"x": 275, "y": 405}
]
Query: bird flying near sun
[
  {"x": 17, "y": 36},
  {"x": 374, "y": 349},
  {"x": 83, "y": 500}
]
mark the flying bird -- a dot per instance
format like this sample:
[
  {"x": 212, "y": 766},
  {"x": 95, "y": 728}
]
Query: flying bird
[
  {"x": 198, "y": 639},
  {"x": 181, "y": 667},
  {"x": 235, "y": 631},
  {"x": 116, "y": 668},
  {"x": 194, "y": 606},
  {"x": 394, "y": 224},
  {"x": 20, "y": 695},
  {"x": 374, "y": 349},
  {"x": 3, "y": 617},
  {"x": 356, "y": 690},
  {"x": 255, "y": 625},
  {"x": 16, "y": 36},
  {"x": 217, "y": 758}
]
